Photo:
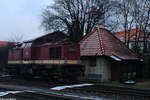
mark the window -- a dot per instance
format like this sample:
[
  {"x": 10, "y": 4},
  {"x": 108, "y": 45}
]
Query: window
[
  {"x": 55, "y": 53},
  {"x": 58, "y": 52},
  {"x": 72, "y": 49},
  {"x": 92, "y": 62},
  {"x": 23, "y": 45},
  {"x": 52, "y": 53},
  {"x": 27, "y": 45}
]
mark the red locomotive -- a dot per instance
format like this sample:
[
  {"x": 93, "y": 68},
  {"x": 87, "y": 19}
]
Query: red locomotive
[{"x": 57, "y": 59}]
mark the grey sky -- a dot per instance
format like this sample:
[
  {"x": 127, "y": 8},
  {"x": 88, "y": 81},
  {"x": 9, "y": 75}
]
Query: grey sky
[{"x": 21, "y": 17}]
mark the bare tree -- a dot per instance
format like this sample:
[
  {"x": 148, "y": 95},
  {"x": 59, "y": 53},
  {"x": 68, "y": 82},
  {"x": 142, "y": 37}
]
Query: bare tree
[
  {"x": 16, "y": 38},
  {"x": 134, "y": 14},
  {"x": 124, "y": 11},
  {"x": 76, "y": 17},
  {"x": 141, "y": 16}
]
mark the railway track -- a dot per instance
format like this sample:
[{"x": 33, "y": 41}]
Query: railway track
[
  {"x": 115, "y": 93},
  {"x": 104, "y": 91},
  {"x": 34, "y": 96}
]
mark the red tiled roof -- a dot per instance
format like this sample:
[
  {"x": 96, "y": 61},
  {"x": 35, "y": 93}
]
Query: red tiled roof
[
  {"x": 121, "y": 35},
  {"x": 132, "y": 33},
  {"x": 4, "y": 43},
  {"x": 102, "y": 42}
]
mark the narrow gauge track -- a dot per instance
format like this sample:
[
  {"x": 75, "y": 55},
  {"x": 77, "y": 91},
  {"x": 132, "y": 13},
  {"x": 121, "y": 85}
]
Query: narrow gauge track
[
  {"x": 34, "y": 96},
  {"x": 114, "y": 92}
]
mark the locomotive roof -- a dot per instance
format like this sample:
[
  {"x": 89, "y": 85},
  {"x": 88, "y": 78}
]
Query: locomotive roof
[
  {"x": 102, "y": 42},
  {"x": 54, "y": 35}
]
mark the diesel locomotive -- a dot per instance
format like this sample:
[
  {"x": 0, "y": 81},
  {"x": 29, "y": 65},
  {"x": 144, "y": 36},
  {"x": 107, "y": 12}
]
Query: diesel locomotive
[{"x": 51, "y": 60}]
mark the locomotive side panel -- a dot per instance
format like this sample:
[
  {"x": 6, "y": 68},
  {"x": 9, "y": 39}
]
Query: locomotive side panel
[
  {"x": 15, "y": 54},
  {"x": 66, "y": 51},
  {"x": 55, "y": 52},
  {"x": 71, "y": 51},
  {"x": 52, "y": 61},
  {"x": 44, "y": 53},
  {"x": 40, "y": 53},
  {"x": 34, "y": 53}
]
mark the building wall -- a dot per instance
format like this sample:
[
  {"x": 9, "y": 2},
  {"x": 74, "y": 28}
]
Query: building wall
[{"x": 101, "y": 72}]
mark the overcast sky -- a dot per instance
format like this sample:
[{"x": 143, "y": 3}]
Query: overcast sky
[{"x": 21, "y": 17}]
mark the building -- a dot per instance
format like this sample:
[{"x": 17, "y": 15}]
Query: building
[
  {"x": 145, "y": 53},
  {"x": 135, "y": 35},
  {"x": 106, "y": 58},
  {"x": 4, "y": 43}
]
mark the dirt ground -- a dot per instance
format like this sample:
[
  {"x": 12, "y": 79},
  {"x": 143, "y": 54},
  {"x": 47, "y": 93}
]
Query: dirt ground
[
  {"x": 46, "y": 85},
  {"x": 144, "y": 84}
]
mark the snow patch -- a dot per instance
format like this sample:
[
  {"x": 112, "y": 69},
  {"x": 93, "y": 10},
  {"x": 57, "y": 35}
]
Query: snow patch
[
  {"x": 8, "y": 92},
  {"x": 79, "y": 96},
  {"x": 115, "y": 58},
  {"x": 70, "y": 86}
]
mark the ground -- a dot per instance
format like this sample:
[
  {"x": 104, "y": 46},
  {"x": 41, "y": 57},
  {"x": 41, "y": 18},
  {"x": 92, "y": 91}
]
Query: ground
[
  {"x": 144, "y": 84},
  {"x": 97, "y": 91}
]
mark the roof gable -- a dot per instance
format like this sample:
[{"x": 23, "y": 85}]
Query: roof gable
[{"x": 102, "y": 42}]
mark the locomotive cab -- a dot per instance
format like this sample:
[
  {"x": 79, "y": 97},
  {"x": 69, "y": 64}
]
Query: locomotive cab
[{"x": 27, "y": 48}]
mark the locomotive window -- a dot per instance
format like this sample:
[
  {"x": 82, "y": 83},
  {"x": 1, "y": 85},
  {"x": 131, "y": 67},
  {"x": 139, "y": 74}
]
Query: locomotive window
[
  {"x": 28, "y": 44},
  {"x": 52, "y": 52},
  {"x": 58, "y": 52},
  {"x": 23, "y": 45},
  {"x": 72, "y": 49},
  {"x": 55, "y": 53}
]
